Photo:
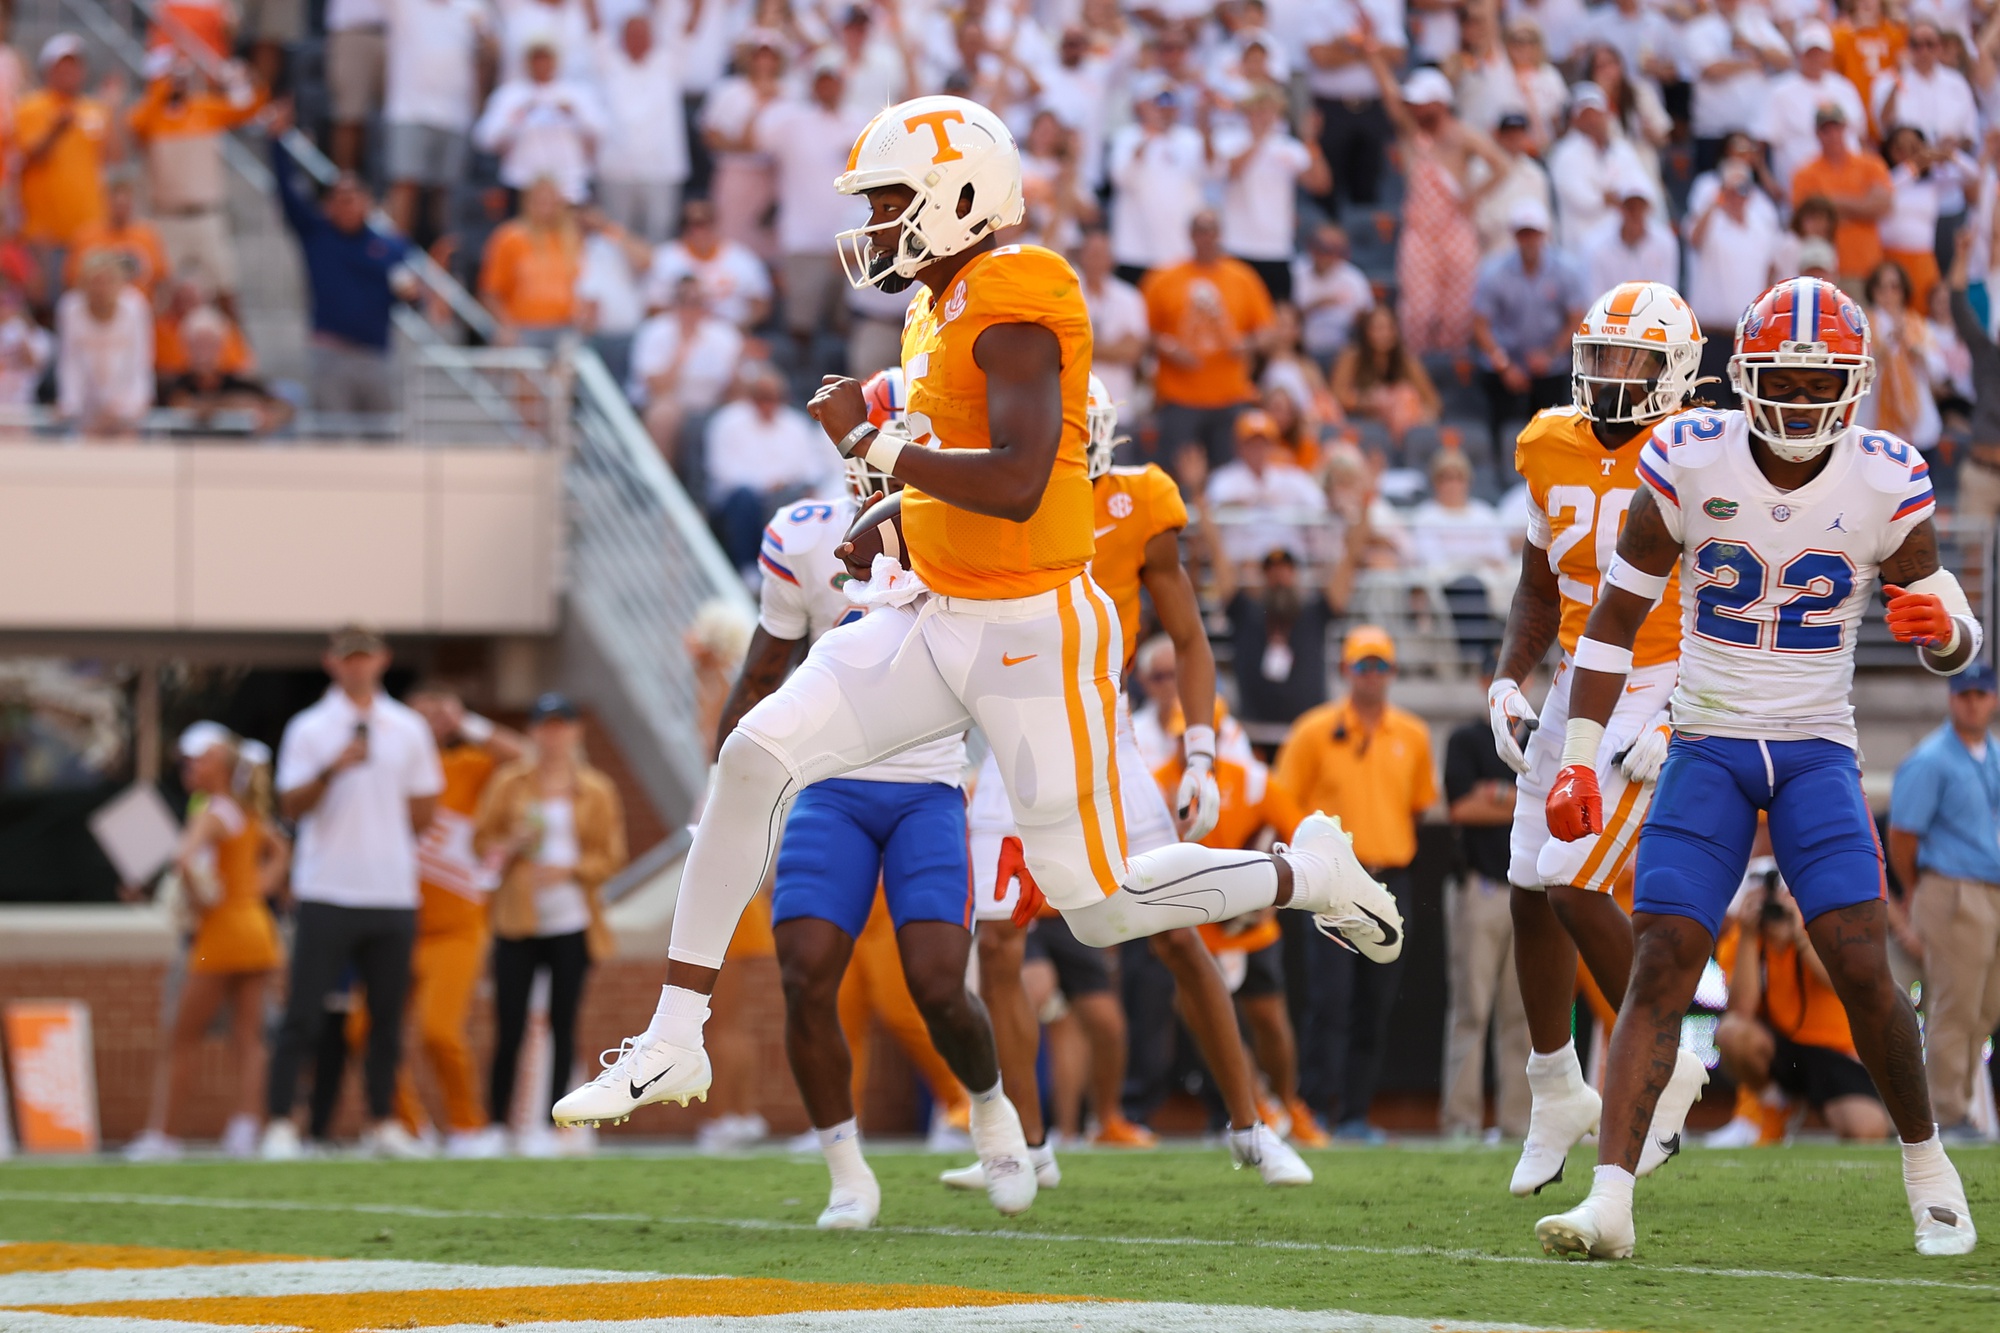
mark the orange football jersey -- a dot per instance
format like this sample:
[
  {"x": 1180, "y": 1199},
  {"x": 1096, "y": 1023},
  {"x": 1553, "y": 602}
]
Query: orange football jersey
[
  {"x": 1134, "y": 505},
  {"x": 1578, "y": 492},
  {"x": 955, "y": 551}
]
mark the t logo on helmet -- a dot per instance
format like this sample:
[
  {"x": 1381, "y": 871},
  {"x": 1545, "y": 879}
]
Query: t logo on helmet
[{"x": 935, "y": 121}]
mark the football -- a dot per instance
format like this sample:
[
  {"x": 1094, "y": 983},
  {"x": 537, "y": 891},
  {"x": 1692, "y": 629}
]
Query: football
[{"x": 878, "y": 529}]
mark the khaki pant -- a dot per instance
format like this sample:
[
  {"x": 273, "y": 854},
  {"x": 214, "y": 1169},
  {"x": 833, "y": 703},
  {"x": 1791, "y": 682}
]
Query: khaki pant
[
  {"x": 1959, "y": 923},
  {"x": 1479, "y": 942},
  {"x": 1978, "y": 492}
]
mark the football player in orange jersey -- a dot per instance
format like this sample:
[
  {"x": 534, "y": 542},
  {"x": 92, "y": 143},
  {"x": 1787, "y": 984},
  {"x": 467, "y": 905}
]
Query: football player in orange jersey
[
  {"x": 997, "y": 622},
  {"x": 1139, "y": 518},
  {"x": 1636, "y": 357}
]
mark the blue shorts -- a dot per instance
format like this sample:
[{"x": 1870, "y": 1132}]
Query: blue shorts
[
  {"x": 1696, "y": 842},
  {"x": 845, "y": 835}
]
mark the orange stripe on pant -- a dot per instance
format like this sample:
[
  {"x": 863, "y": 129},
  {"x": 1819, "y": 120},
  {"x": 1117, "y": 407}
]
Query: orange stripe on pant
[
  {"x": 1080, "y": 743},
  {"x": 1614, "y": 830},
  {"x": 1107, "y": 693}
]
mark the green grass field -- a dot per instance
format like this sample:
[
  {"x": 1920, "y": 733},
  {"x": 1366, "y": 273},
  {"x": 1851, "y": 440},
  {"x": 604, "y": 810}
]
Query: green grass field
[{"x": 1806, "y": 1240}]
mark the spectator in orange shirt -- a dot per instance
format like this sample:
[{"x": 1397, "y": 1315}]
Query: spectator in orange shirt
[
  {"x": 1865, "y": 43},
  {"x": 185, "y": 299},
  {"x": 1785, "y": 1028},
  {"x": 134, "y": 239},
  {"x": 1209, "y": 315},
  {"x": 62, "y": 141},
  {"x": 528, "y": 278},
  {"x": 1856, "y": 184}
]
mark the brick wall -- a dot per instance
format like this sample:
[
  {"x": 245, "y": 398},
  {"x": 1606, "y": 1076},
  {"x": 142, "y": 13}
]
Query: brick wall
[{"x": 746, "y": 1042}]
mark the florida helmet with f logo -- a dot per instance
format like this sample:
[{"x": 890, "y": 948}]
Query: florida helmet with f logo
[
  {"x": 1802, "y": 324},
  {"x": 959, "y": 161}
]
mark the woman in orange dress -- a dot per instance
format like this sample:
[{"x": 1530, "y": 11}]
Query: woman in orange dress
[{"x": 231, "y": 860}]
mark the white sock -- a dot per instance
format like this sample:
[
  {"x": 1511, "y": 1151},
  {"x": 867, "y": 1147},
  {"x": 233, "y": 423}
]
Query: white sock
[
  {"x": 841, "y": 1146},
  {"x": 1557, "y": 1072},
  {"x": 679, "y": 1018},
  {"x": 1185, "y": 884},
  {"x": 733, "y": 846},
  {"x": 1612, "y": 1182}
]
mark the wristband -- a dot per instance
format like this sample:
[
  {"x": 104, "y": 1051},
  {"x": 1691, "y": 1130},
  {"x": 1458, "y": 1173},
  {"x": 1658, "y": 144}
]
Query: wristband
[
  {"x": 1199, "y": 741},
  {"x": 884, "y": 450},
  {"x": 475, "y": 729},
  {"x": 1593, "y": 655},
  {"x": 851, "y": 442},
  {"x": 1582, "y": 738},
  {"x": 1635, "y": 580}
]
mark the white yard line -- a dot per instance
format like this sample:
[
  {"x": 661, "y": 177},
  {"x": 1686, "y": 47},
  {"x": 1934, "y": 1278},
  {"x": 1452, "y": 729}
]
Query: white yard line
[
  {"x": 972, "y": 1233},
  {"x": 311, "y": 1277}
]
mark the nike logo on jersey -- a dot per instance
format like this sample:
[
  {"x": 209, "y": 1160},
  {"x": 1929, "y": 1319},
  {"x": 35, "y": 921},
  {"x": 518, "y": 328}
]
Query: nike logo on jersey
[
  {"x": 1113, "y": 527},
  {"x": 639, "y": 1089},
  {"x": 1016, "y": 661}
]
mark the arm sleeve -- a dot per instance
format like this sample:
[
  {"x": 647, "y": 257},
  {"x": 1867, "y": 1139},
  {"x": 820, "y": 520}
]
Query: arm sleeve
[
  {"x": 782, "y": 608},
  {"x": 1913, "y": 800},
  {"x": 1658, "y": 474}
]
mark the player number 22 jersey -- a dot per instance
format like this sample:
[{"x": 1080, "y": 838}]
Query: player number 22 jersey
[
  {"x": 1578, "y": 494},
  {"x": 803, "y": 598},
  {"x": 1773, "y": 582}
]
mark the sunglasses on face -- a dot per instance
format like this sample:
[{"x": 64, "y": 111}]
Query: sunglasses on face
[{"x": 1371, "y": 666}]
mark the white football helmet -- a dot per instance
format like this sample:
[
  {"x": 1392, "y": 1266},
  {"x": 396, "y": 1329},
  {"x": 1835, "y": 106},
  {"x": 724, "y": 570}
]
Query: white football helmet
[
  {"x": 1102, "y": 415},
  {"x": 1636, "y": 355},
  {"x": 944, "y": 149}
]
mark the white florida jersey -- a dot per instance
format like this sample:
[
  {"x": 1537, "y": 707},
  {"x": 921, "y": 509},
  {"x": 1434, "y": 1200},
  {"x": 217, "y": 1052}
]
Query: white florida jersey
[
  {"x": 1774, "y": 583},
  {"x": 804, "y": 597}
]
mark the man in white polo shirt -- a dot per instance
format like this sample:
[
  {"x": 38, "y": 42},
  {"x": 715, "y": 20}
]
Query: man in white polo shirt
[{"x": 359, "y": 774}]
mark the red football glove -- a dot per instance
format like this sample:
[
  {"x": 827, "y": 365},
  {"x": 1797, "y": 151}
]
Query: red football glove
[
  {"x": 1014, "y": 865},
  {"x": 1918, "y": 617},
  {"x": 1575, "y": 806}
]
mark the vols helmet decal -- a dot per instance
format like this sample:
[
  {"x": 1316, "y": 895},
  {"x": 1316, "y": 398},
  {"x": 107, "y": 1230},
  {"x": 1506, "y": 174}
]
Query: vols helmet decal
[{"x": 1636, "y": 355}]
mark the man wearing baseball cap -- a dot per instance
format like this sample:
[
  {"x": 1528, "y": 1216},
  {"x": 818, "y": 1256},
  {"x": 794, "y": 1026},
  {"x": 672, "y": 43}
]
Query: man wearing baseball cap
[
  {"x": 1524, "y": 305},
  {"x": 1368, "y": 763},
  {"x": 1944, "y": 845},
  {"x": 1796, "y": 97},
  {"x": 61, "y": 137}
]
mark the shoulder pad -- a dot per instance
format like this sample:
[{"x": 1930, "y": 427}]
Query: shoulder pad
[
  {"x": 1695, "y": 438},
  {"x": 1888, "y": 462}
]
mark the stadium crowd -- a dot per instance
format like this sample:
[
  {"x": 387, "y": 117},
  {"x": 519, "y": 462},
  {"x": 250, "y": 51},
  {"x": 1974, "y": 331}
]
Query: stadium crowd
[{"x": 1333, "y": 251}]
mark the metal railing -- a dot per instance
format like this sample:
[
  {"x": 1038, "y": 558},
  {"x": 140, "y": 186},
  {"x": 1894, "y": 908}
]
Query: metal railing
[{"x": 642, "y": 564}]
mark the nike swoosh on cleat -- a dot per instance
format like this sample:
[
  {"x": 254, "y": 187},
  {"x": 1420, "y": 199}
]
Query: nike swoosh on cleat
[
  {"x": 639, "y": 1089},
  {"x": 1671, "y": 1147},
  {"x": 1389, "y": 933},
  {"x": 1555, "y": 1179}
]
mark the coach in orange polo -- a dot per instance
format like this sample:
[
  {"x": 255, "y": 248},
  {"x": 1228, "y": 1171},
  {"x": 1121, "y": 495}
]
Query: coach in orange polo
[{"x": 1369, "y": 763}]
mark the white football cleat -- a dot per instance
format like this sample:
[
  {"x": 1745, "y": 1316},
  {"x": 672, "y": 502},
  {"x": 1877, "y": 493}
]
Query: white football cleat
[
  {"x": 1276, "y": 1162},
  {"x": 1597, "y": 1228},
  {"x": 1003, "y": 1156},
  {"x": 1348, "y": 906},
  {"x": 1937, "y": 1203},
  {"x": 281, "y": 1142},
  {"x": 851, "y": 1209},
  {"x": 1670, "y": 1113},
  {"x": 1048, "y": 1174},
  {"x": 637, "y": 1074},
  {"x": 1555, "y": 1125}
]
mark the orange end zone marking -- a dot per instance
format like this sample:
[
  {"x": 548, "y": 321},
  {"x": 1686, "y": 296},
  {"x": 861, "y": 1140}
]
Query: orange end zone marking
[
  {"x": 595, "y": 1301},
  {"x": 56, "y": 1256}
]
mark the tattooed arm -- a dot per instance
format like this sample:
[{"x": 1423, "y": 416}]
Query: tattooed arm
[
  {"x": 1533, "y": 619},
  {"x": 765, "y": 667}
]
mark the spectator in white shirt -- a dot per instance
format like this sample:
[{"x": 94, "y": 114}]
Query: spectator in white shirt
[
  {"x": 356, "y": 62},
  {"x": 1156, "y": 166},
  {"x": 1354, "y": 126},
  {"x": 877, "y": 69},
  {"x": 1631, "y": 245},
  {"x": 1453, "y": 532},
  {"x": 762, "y": 453},
  {"x": 1330, "y": 292},
  {"x": 1264, "y": 501},
  {"x": 609, "y": 301},
  {"x": 435, "y": 51},
  {"x": 734, "y": 281},
  {"x": 1563, "y": 23},
  {"x": 1537, "y": 87},
  {"x": 1119, "y": 327},
  {"x": 1730, "y": 51},
  {"x": 563, "y": 23},
  {"x": 645, "y": 155},
  {"x": 104, "y": 357},
  {"x": 1796, "y": 97},
  {"x": 809, "y": 139},
  {"x": 1733, "y": 242},
  {"x": 1588, "y": 165},
  {"x": 1077, "y": 88},
  {"x": 359, "y": 773},
  {"x": 1637, "y": 111},
  {"x": 1525, "y": 179},
  {"x": 540, "y": 125},
  {"x": 683, "y": 360},
  {"x": 1928, "y": 94},
  {"x": 745, "y": 185},
  {"x": 1263, "y": 168},
  {"x": 1916, "y": 191}
]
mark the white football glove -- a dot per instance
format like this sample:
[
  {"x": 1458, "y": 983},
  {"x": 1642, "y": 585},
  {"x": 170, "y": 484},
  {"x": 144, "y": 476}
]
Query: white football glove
[
  {"x": 1198, "y": 803},
  {"x": 1643, "y": 757},
  {"x": 1505, "y": 706}
]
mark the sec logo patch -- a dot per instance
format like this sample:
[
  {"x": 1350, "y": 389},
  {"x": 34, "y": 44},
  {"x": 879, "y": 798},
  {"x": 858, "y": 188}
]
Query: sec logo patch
[{"x": 1120, "y": 505}]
